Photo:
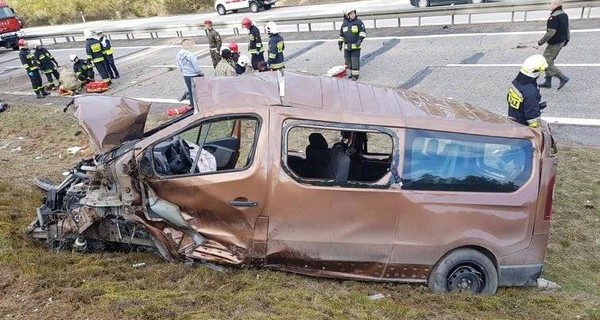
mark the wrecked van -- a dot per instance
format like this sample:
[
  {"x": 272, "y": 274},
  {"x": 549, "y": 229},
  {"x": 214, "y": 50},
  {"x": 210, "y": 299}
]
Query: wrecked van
[{"x": 317, "y": 176}]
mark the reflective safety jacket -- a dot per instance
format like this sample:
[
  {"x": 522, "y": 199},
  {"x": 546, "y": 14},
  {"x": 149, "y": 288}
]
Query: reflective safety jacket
[
  {"x": 107, "y": 49},
  {"x": 82, "y": 69},
  {"x": 352, "y": 34},
  {"x": 93, "y": 48},
  {"x": 28, "y": 60},
  {"x": 46, "y": 60},
  {"x": 524, "y": 101},
  {"x": 276, "y": 47},
  {"x": 255, "y": 45}
]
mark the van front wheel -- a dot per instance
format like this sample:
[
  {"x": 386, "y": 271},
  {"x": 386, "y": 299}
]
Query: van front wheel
[{"x": 464, "y": 270}]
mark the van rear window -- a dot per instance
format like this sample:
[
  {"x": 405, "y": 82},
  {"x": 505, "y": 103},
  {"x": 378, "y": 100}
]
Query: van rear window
[{"x": 445, "y": 161}]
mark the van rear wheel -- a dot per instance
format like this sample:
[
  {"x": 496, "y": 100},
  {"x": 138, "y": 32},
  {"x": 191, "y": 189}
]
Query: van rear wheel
[
  {"x": 221, "y": 10},
  {"x": 464, "y": 270},
  {"x": 254, "y": 7}
]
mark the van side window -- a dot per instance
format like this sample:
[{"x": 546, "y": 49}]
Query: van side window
[
  {"x": 444, "y": 161},
  {"x": 227, "y": 145},
  {"x": 337, "y": 154}
]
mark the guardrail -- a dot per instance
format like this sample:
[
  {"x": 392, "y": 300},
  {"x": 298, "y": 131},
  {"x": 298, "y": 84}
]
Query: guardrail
[{"x": 335, "y": 19}]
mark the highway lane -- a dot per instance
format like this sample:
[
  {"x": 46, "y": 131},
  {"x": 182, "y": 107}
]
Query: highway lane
[
  {"x": 472, "y": 64},
  {"x": 286, "y": 12}
]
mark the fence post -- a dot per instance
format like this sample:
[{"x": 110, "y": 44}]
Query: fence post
[
  {"x": 309, "y": 27},
  {"x": 582, "y": 11},
  {"x": 512, "y": 17},
  {"x": 452, "y": 21},
  {"x": 82, "y": 17},
  {"x": 399, "y": 22},
  {"x": 419, "y": 22},
  {"x": 525, "y": 16},
  {"x": 374, "y": 23},
  {"x": 589, "y": 11}
]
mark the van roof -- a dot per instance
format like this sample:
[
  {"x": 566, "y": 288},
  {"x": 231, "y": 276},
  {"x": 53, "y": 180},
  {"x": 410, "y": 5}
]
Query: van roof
[{"x": 333, "y": 95}]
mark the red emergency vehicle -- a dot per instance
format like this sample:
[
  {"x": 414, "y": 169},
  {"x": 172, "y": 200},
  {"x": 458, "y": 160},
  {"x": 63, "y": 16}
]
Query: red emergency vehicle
[{"x": 10, "y": 24}]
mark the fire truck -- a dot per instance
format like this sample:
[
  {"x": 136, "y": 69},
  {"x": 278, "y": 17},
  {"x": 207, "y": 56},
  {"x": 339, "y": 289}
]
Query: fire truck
[{"x": 10, "y": 25}]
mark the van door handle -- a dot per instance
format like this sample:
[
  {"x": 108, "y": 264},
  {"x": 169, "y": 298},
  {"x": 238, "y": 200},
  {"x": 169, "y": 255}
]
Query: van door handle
[{"x": 243, "y": 203}]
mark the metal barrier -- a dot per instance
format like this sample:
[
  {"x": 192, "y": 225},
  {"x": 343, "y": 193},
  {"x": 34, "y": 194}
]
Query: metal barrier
[{"x": 419, "y": 13}]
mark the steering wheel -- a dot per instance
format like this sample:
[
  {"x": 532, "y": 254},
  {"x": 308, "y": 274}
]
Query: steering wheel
[{"x": 184, "y": 152}]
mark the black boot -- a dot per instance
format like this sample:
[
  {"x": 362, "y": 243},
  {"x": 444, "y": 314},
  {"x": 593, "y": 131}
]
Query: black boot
[
  {"x": 547, "y": 83},
  {"x": 44, "y": 92},
  {"x": 39, "y": 95},
  {"x": 563, "y": 80}
]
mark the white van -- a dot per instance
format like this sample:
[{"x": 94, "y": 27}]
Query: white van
[{"x": 223, "y": 6}]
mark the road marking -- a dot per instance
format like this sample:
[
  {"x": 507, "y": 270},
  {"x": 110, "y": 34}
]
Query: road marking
[
  {"x": 573, "y": 121},
  {"x": 552, "y": 120},
  {"x": 491, "y": 65}
]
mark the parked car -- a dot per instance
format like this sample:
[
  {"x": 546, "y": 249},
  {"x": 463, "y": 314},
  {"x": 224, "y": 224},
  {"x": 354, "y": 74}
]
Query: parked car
[
  {"x": 335, "y": 179},
  {"x": 224, "y": 6},
  {"x": 427, "y": 3}
]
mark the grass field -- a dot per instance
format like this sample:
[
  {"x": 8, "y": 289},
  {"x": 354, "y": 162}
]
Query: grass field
[{"x": 36, "y": 284}]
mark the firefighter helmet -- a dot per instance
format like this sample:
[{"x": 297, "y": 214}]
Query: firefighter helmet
[
  {"x": 22, "y": 43},
  {"x": 207, "y": 22},
  {"x": 234, "y": 47},
  {"x": 243, "y": 60},
  {"x": 533, "y": 65},
  {"x": 347, "y": 11},
  {"x": 73, "y": 57},
  {"x": 87, "y": 33},
  {"x": 271, "y": 28},
  {"x": 37, "y": 45},
  {"x": 246, "y": 23}
]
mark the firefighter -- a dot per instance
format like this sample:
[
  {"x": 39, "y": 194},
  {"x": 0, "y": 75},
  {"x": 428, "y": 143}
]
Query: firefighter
[
  {"x": 225, "y": 66},
  {"x": 84, "y": 71},
  {"x": 557, "y": 36},
  {"x": 243, "y": 65},
  {"x": 30, "y": 64},
  {"x": 255, "y": 47},
  {"x": 276, "y": 47},
  {"x": 93, "y": 48},
  {"x": 48, "y": 64},
  {"x": 108, "y": 53},
  {"x": 214, "y": 42},
  {"x": 352, "y": 34},
  {"x": 235, "y": 51},
  {"x": 524, "y": 98}
]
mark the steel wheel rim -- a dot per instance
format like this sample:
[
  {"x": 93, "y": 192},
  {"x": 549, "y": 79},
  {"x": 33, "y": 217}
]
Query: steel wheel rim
[
  {"x": 423, "y": 3},
  {"x": 467, "y": 277}
]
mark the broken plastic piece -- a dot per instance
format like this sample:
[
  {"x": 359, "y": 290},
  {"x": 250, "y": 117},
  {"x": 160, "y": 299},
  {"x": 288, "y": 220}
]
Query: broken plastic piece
[{"x": 376, "y": 296}]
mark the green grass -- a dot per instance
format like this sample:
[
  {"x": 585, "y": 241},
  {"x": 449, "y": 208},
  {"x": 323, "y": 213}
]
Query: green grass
[{"x": 37, "y": 284}]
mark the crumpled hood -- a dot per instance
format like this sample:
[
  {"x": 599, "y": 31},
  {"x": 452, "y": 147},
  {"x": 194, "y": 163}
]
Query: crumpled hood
[{"x": 110, "y": 121}]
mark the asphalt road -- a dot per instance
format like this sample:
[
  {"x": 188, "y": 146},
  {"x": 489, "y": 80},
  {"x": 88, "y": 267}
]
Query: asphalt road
[{"x": 467, "y": 63}]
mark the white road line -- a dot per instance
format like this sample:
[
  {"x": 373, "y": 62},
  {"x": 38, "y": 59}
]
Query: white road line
[
  {"x": 455, "y": 35},
  {"x": 573, "y": 121},
  {"x": 490, "y": 65},
  {"x": 553, "y": 120}
]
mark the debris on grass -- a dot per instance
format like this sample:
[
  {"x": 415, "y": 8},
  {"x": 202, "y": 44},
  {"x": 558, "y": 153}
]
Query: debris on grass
[
  {"x": 547, "y": 284},
  {"x": 376, "y": 296}
]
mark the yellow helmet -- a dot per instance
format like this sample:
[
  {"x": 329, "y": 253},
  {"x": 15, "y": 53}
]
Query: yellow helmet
[{"x": 533, "y": 65}]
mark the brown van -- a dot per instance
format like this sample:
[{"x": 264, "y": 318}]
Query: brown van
[{"x": 318, "y": 176}]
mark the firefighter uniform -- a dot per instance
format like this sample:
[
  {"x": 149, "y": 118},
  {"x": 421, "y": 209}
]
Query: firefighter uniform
[
  {"x": 557, "y": 36},
  {"x": 93, "y": 48},
  {"x": 214, "y": 44},
  {"x": 352, "y": 34},
  {"x": 255, "y": 47},
  {"x": 47, "y": 63},
  {"x": 84, "y": 71},
  {"x": 33, "y": 71},
  {"x": 109, "y": 59},
  {"x": 524, "y": 101},
  {"x": 276, "y": 47}
]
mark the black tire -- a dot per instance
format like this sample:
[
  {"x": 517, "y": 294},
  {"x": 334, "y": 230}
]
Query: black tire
[
  {"x": 15, "y": 48},
  {"x": 464, "y": 270},
  {"x": 267, "y": 6},
  {"x": 254, "y": 6},
  {"x": 221, "y": 10}
]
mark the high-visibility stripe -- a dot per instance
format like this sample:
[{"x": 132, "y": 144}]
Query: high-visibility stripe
[
  {"x": 277, "y": 65},
  {"x": 354, "y": 72},
  {"x": 108, "y": 51},
  {"x": 272, "y": 55},
  {"x": 362, "y": 34},
  {"x": 89, "y": 57},
  {"x": 100, "y": 59}
]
